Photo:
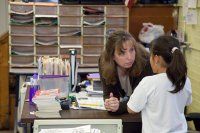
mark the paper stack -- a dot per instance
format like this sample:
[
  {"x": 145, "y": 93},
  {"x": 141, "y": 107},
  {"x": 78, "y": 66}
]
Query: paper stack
[
  {"x": 92, "y": 92},
  {"x": 85, "y": 102},
  {"x": 95, "y": 89},
  {"x": 47, "y": 105},
  {"x": 80, "y": 129}
]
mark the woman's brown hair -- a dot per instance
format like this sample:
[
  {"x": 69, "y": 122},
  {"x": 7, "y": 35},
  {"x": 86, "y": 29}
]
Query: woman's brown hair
[{"x": 115, "y": 42}]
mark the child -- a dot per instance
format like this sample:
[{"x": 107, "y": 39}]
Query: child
[{"x": 162, "y": 98}]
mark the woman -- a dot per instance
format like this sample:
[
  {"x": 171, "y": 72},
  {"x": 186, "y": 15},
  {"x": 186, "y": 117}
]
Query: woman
[
  {"x": 122, "y": 65},
  {"x": 162, "y": 98}
]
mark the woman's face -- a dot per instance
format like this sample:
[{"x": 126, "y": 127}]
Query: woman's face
[{"x": 125, "y": 57}]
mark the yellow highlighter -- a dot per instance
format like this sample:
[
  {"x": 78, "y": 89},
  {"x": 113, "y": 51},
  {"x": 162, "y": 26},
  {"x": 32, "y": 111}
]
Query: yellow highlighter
[{"x": 90, "y": 105}]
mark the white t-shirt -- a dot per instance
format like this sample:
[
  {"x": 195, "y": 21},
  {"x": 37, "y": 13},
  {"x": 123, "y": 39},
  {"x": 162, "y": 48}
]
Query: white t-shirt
[{"x": 162, "y": 111}]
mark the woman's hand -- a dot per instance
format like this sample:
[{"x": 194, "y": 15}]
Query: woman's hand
[{"x": 112, "y": 103}]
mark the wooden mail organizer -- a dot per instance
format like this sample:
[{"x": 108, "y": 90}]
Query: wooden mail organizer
[{"x": 50, "y": 29}]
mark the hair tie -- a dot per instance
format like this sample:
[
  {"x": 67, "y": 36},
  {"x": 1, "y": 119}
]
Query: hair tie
[{"x": 174, "y": 49}]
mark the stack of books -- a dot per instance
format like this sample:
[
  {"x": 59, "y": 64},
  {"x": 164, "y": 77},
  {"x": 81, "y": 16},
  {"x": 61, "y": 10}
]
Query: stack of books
[{"x": 47, "y": 105}]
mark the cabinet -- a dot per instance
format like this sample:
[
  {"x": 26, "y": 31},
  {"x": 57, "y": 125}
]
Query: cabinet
[
  {"x": 144, "y": 13},
  {"x": 50, "y": 29}
]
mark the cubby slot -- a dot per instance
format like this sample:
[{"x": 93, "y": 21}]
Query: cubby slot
[
  {"x": 65, "y": 51},
  {"x": 22, "y": 50},
  {"x": 93, "y": 10},
  {"x": 70, "y": 11},
  {"x": 46, "y": 21},
  {"x": 46, "y": 40},
  {"x": 69, "y": 21},
  {"x": 99, "y": 2},
  {"x": 97, "y": 21},
  {"x": 93, "y": 40},
  {"x": 17, "y": 30},
  {"x": 22, "y": 61},
  {"x": 111, "y": 30},
  {"x": 50, "y": 50},
  {"x": 22, "y": 40},
  {"x": 46, "y": 10},
  {"x": 116, "y": 11},
  {"x": 71, "y": 40},
  {"x": 70, "y": 31},
  {"x": 21, "y": 9},
  {"x": 116, "y": 22},
  {"x": 93, "y": 50},
  {"x": 18, "y": 19},
  {"x": 93, "y": 31},
  {"x": 42, "y": 30},
  {"x": 90, "y": 59}
]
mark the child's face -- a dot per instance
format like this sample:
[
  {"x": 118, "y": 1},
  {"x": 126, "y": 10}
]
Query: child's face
[{"x": 125, "y": 57}]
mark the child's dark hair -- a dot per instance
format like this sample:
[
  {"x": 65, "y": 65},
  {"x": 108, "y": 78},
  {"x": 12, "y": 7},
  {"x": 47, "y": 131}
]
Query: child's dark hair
[{"x": 169, "y": 49}]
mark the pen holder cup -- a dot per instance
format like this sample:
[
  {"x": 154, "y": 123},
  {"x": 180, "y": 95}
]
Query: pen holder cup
[
  {"x": 65, "y": 104},
  {"x": 61, "y": 82}
]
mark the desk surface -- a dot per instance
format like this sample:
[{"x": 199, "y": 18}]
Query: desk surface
[{"x": 75, "y": 114}]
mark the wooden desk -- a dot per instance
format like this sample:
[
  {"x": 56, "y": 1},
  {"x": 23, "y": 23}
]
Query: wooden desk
[
  {"x": 77, "y": 114},
  {"x": 130, "y": 123}
]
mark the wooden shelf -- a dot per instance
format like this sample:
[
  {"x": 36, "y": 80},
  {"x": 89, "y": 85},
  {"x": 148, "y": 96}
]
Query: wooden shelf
[{"x": 56, "y": 28}]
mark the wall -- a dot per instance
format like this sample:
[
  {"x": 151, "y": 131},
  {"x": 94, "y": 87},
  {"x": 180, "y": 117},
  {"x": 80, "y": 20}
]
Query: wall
[
  {"x": 3, "y": 17},
  {"x": 192, "y": 57}
]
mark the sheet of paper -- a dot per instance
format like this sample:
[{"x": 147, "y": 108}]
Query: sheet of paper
[
  {"x": 191, "y": 17},
  {"x": 81, "y": 129},
  {"x": 90, "y": 102},
  {"x": 192, "y": 3},
  {"x": 185, "y": 8}
]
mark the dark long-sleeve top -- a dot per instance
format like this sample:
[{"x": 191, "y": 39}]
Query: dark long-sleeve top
[{"x": 117, "y": 90}]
